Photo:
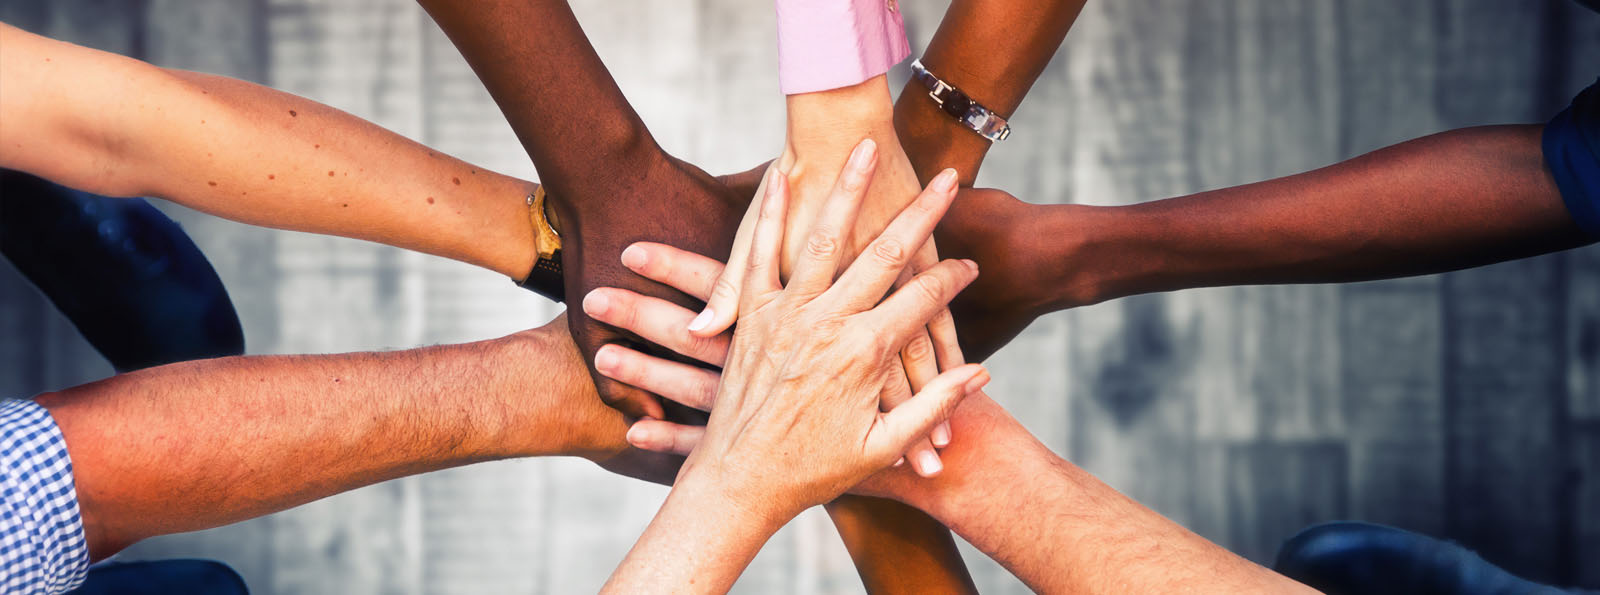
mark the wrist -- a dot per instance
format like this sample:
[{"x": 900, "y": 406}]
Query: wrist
[
  {"x": 934, "y": 141},
  {"x": 754, "y": 509},
  {"x": 835, "y": 120}
]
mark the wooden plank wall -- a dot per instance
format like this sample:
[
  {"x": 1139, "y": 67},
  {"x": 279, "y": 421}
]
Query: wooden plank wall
[{"x": 1464, "y": 405}]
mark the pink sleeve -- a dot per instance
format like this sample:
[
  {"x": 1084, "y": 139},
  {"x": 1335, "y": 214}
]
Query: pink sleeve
[{"x": 828, "y": 44}]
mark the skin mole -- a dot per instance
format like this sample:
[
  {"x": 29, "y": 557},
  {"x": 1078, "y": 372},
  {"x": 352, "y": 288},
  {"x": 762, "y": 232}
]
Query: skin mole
[
  {"x": 330, "y": 173},
  {"x": 212, "y": 183},
  {"x": 456, "y": 180},
  {"x": 430, "y": 200},
  {"x": 293, "y": 114},
  {"x": 272, "y": 176}
]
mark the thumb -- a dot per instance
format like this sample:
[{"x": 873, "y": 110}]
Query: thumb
[
  {"x": 722, "y": 308},
  {"x": 913, "y": 419}
]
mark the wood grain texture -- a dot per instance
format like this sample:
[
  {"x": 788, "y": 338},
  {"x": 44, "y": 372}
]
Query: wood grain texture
[{"x": 1461, "y": 406}]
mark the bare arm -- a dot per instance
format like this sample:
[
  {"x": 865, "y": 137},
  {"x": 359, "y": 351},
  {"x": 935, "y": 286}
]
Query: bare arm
[
  {"x": 201, "y": 444},
  {"x": 113, "y": 125},
  {"x": 993, "y": 50},
  {"x": 1057, "y": 527},
  {"x": 1450, "y": 201}
]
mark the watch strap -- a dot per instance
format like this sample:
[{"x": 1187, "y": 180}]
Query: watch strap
[
  {"x": 546, "y": 277},
  {"x": 958, "y": 105}
]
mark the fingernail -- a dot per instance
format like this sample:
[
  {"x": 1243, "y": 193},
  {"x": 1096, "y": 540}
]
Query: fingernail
[
  {"x": 977, "y": 382},
  {"x": 941, "y": 435},
  {"x": 863, "y": 154},
  {"x": 946, "y": 180},
  {"x": 971, "y": 264},
  {"x": 605, "y": 360},
  {"x": 900, "y": 461},
  {"x": 596, "y": 303},
  {"x": 930, "y": 463},
  {"x": 638, "y": 435},
  {"x": 702, "y": 320},
  {"x": 635, "y": 257}
]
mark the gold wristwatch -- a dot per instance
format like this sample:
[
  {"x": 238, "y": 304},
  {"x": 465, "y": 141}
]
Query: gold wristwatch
[{"x": 545, "y": 278}]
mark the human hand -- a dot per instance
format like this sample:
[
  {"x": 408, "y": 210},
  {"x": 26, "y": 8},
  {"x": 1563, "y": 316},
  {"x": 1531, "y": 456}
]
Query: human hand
[
  {"x": 889, "y": 188},
  {"x": 793, "y": 341},
  {"x": 669, "y": 201}
]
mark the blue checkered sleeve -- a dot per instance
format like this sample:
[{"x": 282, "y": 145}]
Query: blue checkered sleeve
[{"x": 42, "y": 547}]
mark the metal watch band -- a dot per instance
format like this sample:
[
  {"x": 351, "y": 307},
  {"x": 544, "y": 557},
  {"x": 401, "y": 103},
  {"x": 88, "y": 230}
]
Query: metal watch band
[{"x": 966, "y": 111}]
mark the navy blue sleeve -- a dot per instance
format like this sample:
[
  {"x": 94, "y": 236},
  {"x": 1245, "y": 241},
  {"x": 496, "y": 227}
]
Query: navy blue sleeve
[{"x": 1572, "y": 151}]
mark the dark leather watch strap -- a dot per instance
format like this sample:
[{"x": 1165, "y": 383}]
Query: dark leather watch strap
[{"x": 545, "y": 279}]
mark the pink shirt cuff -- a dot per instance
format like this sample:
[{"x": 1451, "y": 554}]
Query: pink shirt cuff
[{"x": 828, "y": 44}]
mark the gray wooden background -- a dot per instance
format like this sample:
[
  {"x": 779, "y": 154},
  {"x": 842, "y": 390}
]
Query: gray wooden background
[{"x": 1464, "y": 405}]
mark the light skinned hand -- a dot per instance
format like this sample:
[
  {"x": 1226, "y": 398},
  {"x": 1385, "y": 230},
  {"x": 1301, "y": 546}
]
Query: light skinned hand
[
  {"x": 887, "y": 188},
  {"x": 797, "y": 410}
]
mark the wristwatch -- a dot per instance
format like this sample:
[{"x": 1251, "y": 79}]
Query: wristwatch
[
  {"x": 952, "y": 101},
  {"x": 545, "y": 278}
]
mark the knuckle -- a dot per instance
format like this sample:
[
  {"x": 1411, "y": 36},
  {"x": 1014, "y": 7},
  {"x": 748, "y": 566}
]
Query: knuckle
[
  {"x": 889, "y": 251},
  {"x": 919, "y": 350},
  {"x": 724, "y": 289},
  {"x": 822, "y": 244},
  {"x": 929, "y": 287}
]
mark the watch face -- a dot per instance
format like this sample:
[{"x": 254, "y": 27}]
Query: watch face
[{"x": 956, "y": 104}]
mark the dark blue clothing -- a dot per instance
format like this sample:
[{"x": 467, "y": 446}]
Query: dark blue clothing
[
  {"x": 1572, "y": 151},
  {"x": 1363, "y": 558}
]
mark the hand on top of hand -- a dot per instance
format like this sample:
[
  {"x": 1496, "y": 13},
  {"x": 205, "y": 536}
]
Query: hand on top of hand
[
  {"x": 797, "y": 410},
  {"x": 888, "y": 183},
  {"x": 672, "y": 202}
]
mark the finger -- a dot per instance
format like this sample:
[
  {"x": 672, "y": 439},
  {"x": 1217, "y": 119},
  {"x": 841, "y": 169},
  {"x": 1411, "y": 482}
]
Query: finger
[
  {"x": 947, "y": 354},
  {"x": 686, "y": 384},
  {"x": 864, "y": 283},
  {"x": 664, "y": 436},
  {"x": 656, "y": 320},
  {"x": 761, "y": 276},
  {"x": 629, "y": 400},
  {"x": 933, "y": 404},
  {"x": 910, "y": 308},
  {"x": 923, "y": 456},
  {"x": 685, "y": 271},
  {"x": 722, "y": 298},
  {"x": 814, "y": 270},
  {"x": 921, "y": 367}
]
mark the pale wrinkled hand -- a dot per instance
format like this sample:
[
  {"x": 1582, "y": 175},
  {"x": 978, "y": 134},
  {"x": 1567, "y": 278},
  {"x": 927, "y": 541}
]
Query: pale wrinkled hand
[
  {"x": 890, "y": 184},
  {"x": 797, "y": 413}
]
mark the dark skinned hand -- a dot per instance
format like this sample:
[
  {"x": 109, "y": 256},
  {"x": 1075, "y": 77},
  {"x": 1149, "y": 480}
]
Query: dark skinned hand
[{"x": 672, "y": 202}]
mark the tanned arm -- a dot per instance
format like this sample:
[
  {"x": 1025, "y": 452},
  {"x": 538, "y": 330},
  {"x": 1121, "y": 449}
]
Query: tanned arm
[
  {"x": 200, "y": 444},
  {"x": 247, "y": 153}
]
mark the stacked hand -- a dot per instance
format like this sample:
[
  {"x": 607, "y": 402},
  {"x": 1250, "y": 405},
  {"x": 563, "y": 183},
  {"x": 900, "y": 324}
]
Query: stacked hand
[
  {"x": 806, "y": 366},
  {"x": 670, "y": 201}
]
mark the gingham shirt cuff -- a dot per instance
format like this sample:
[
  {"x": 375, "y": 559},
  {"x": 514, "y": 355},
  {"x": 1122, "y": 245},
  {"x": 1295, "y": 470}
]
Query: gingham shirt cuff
[{"x": 42, "y": 547}]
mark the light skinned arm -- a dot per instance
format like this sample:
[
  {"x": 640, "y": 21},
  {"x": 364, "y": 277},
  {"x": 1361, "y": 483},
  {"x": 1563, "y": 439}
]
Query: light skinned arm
[
  {"x": 200, "y": 444},
  {"x": 1449, "y": 201},
  {"x": 120, "y": 127},
  {"x": 798, "y": 417},
  {"x": 1055, "y": 526}
]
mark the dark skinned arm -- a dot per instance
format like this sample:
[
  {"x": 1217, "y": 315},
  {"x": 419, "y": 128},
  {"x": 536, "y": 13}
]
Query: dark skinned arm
[
  {"x": 993, "y": 50},
  {"x": 612, "y": 185},
  {"x": 1449, "y": 201}
]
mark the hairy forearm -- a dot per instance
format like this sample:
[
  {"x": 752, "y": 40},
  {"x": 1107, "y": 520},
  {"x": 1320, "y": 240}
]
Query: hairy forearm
[
  {"x": 249, "y": 153},
  {"x": 993, "y": 50},
  {"x": 569, "y": 113},
  {"x": 201, "y": 444},
  {"x": 1449, "y": 201},
  {"x": 1063, "y": 530}
]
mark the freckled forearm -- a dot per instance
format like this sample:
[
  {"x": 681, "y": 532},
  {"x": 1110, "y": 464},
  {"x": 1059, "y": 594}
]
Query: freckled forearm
[{"x": 259, "y": 156}]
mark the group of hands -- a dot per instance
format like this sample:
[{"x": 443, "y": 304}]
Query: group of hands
[{"x": 815, "y": 392}]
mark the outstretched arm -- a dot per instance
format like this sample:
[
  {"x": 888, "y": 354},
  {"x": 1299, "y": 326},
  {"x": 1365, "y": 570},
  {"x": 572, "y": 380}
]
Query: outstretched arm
[
  {"x": 201, "y": 444},
  {"x": 117, "y": 126},
  {"x": 1454, "y": 200}
]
